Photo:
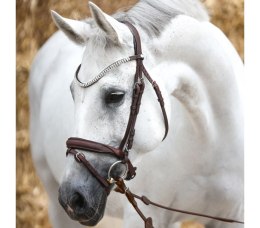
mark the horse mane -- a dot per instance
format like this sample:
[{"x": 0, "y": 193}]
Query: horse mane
[{"x": 153, "y": 15}]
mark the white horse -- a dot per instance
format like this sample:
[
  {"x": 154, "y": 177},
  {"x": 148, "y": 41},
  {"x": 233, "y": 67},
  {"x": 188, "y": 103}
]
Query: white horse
[{"x": 198, "y": 167}]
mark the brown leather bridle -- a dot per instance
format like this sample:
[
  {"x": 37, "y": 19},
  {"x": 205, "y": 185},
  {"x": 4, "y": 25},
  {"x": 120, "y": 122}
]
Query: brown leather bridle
[
  {"x": 122, "y": 152},
  {"x": 127, "y": 141}
]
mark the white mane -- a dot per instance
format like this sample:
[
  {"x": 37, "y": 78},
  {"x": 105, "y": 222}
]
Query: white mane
[{"x": 153, "y": 15}]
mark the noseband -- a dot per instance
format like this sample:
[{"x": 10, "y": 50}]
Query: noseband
[{"x": 122, "y": 152}]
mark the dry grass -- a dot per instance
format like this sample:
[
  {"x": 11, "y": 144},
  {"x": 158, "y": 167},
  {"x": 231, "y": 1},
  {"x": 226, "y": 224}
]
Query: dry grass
[
  {"x": 229, "y": 16},
  {"x": 34, "y": 26}
]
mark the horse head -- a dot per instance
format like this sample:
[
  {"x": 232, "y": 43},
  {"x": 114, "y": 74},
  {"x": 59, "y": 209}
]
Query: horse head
[{"x": 102, "y": 109}]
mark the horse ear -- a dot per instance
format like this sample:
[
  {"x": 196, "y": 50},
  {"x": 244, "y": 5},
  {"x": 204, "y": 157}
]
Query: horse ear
[
  {"x": 115, "y": 30},
  {"x": 75, "y": 30}
]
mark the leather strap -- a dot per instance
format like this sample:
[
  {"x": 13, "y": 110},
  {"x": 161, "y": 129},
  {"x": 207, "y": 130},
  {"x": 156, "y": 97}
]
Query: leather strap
[
  {"x": 74, "y": 143},
  {"x": 121, "y": 188},
  {"x": 142, "y": 70},
  {"x": 127, "y": 140},
  {"x": 161, "y": 101},
  {"x": 88, "y": 145},
  {"x": 80, "y": 157}
]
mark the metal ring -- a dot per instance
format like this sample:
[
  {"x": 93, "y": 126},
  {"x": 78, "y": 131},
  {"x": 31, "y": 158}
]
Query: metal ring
[{"x": 111, "y": 179}]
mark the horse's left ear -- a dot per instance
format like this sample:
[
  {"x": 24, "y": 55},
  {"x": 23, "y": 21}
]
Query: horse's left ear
[{"x": 116, "y": 31}]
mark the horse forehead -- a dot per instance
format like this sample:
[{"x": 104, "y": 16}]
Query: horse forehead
[{"x": 94, "y": 63}]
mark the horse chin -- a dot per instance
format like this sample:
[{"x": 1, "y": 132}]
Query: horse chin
[
  {"x": 93, "y": 216},
  {"x": 89, "y": 218},
  {"x": 93, "y": 221}
]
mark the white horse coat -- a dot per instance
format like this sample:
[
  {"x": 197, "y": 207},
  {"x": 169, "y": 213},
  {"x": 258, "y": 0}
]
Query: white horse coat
[{"x": 199, "y": 167}]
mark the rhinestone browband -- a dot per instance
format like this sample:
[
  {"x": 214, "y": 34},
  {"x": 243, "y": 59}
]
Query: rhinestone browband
[{"x": 105, "y": 71}]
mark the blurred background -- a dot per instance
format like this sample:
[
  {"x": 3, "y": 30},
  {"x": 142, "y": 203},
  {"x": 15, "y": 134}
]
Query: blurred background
[{"x": 33, "y": 27}]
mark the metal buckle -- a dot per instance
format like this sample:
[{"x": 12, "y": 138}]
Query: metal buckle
[
  {"x": 77, "y": 158},
  {"x": 127, "y": 151},
  {"x": 110, "y": 179}
]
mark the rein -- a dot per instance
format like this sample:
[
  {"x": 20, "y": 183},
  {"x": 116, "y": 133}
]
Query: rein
[
  {"x": 74, "y": 144},
  {"x": 121, "y": 188}
]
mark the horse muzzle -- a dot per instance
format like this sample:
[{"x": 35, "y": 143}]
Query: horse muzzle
[{"x": 81, "y": 205}]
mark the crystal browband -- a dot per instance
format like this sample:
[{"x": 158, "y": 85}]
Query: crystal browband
[{"x": 105, "y": 71}]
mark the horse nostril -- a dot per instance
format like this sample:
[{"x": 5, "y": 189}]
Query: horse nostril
[{"x": 77, "y": 201}]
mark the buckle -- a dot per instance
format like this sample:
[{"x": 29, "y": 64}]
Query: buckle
[{"x": 77, "y": 158}]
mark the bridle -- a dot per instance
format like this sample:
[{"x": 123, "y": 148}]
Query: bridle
[
  {"x": 127, "y": 141},
  {"x": 122, "y": 152}
]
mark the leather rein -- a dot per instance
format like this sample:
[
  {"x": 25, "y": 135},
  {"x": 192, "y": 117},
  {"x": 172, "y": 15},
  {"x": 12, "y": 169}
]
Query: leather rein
[{"x": 74, "y": 144}]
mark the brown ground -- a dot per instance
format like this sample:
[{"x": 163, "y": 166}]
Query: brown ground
[{"x": 34, "y": 26}]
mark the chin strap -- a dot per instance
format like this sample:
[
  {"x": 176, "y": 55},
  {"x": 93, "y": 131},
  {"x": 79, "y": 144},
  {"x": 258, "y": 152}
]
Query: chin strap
[{"x": 121, "y": 188}]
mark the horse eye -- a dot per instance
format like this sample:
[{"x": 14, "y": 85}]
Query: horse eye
[{"x": 114, "y": 97}]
